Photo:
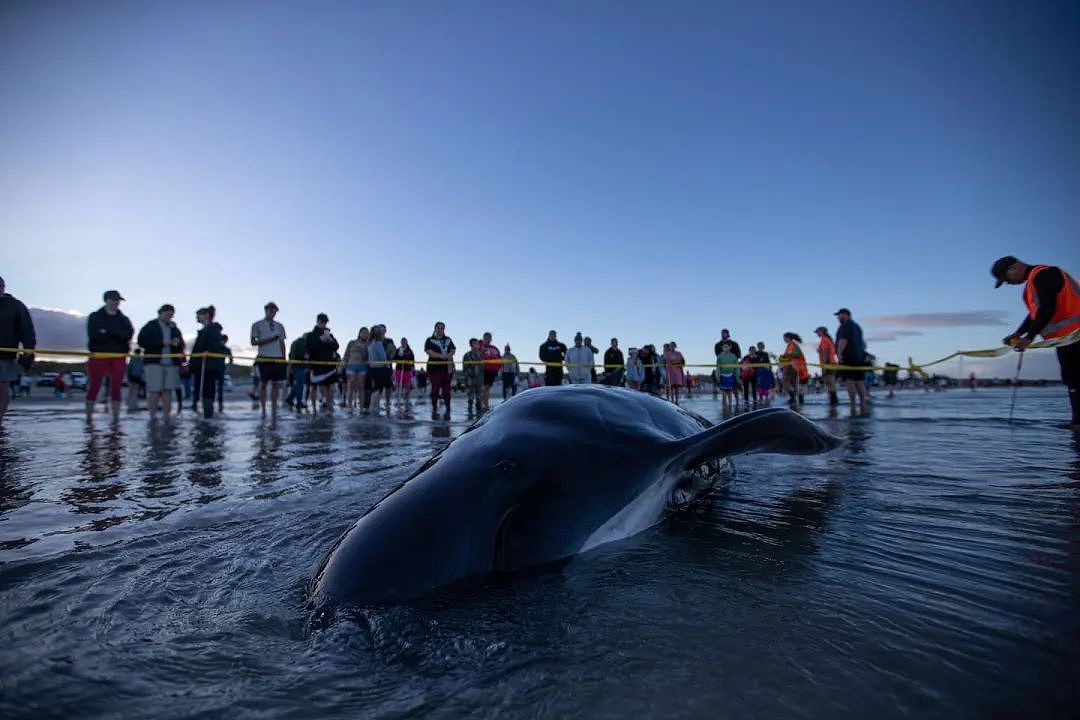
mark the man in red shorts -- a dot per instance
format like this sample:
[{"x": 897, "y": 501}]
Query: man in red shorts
[{"x": 109, "y": 335}]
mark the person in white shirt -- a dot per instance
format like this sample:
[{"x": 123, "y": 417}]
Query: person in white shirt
[{"x": 269, "y": 337}]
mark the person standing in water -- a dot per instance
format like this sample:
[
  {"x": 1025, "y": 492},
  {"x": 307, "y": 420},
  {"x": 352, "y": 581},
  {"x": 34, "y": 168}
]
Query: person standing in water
[
  {"x": 826, "y": 350},
  {"x": 269, "y": 337},
  {"x": 851, "y": 351},
  {"x": 1052, "y": 297},
  {"x": 109, "y": 334}
]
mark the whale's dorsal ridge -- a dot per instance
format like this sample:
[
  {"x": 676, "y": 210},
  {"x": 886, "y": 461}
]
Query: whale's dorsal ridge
[{"x": 775, "y": 430}]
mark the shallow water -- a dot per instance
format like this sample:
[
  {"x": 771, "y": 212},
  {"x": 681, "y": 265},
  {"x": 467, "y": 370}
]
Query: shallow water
[{"x": 931, "y": 566}]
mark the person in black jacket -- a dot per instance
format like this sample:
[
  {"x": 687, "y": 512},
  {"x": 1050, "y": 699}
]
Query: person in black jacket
[
  {"x": 553, "y": 353},
  {"x": 109, "y": 335},
  {"x": 208, "y": 354},
  {"x": 614, "y": 365},
  {"x": 160, "y": 340},
  {"x": 321, "y": 347},
  {"x": 16, "y": 328}
]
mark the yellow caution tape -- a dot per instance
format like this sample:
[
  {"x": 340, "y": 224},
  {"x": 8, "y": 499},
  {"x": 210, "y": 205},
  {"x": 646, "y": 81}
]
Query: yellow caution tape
[{"x": 911, "y": 366}]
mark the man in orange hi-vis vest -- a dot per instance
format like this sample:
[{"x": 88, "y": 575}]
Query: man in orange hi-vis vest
[{"x": 1052, "y": 298}]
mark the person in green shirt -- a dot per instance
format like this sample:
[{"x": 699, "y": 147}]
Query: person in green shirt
[{"x": 726, "y": 371}]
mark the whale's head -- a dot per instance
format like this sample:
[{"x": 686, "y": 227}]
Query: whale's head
[{"x": 524, "y": 486}]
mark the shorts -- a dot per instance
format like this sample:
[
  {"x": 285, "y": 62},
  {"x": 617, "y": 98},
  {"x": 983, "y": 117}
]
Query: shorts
[
  {"x": 9, "y": 370},
  {"x": 489, "y": 377},
  {"x": 727, "y": 382},
  {"x": 851, "y": 374},
  {"x": 403, "y": 377},
  {"x": 380, "y": 378},
  {"x": 161, "y": 377},
  {"x": 357, "y": 369},
  {"x": 326, "y": 377},
  {"x": 272, "y": 371}
]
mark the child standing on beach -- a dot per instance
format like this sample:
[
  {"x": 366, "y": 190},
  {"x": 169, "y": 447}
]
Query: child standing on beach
[{"x": 726, "y": 367}]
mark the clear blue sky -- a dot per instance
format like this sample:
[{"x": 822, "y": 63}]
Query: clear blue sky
[{"x": 650, "y": 171}]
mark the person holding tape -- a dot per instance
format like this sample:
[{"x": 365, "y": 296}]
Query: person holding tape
[{"x": 1052, "y": 297}]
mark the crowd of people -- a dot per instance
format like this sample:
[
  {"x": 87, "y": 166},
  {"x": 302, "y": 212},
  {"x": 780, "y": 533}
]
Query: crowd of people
[
  {"x": 315, "y": 372},
  {"x": 371, "y": 369}
]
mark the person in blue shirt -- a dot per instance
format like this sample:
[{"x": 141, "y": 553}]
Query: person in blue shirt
[{"x": 851, "y": 350}]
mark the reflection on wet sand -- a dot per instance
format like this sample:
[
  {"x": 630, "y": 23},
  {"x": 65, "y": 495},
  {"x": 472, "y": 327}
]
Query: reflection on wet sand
[
  {"x": 103, "y": 451},
  {"x": 207, "y": 454},
  {"x": 157, "y": 468},
  {"x": 267, "y": 464},
  {"x": 778, "y": 529}
]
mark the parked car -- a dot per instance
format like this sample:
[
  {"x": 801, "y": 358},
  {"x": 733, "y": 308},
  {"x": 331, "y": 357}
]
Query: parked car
[
  {"x": 46, "y": 379},
  {"x": 78, "y": 381}
]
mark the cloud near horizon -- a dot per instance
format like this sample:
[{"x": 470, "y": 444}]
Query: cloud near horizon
[
  {"x": 891, "y": 335},
  {"x": 972, "y": 318},
  {"x": 66, "y": 330}
]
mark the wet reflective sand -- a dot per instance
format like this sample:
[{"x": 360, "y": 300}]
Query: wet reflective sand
[{"x": 929, "y": 567}]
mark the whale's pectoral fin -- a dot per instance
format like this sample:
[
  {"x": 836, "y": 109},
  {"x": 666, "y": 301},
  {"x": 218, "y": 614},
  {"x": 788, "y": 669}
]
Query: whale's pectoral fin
[{"x": 775, "y": 430}]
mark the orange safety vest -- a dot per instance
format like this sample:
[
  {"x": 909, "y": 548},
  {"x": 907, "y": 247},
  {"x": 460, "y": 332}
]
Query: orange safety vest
[
  {"x": 797, "y": 361},
  {"x": 1066, "y": 317},
  {"x": 826, "y": 352}
]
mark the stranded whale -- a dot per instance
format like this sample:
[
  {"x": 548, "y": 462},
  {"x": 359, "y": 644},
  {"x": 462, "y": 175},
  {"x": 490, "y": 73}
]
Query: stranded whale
[{"x": 551, "y": 473}]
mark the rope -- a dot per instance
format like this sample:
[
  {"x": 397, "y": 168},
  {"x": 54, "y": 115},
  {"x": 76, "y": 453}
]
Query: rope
[{"x": 912, "y": 366}]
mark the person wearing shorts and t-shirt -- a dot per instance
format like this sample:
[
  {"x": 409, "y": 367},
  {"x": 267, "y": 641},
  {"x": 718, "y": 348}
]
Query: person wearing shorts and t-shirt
[
  {"x": 269, "y": 337},
  {"x": 851, "y": 350},
  {"x": 109, "y": 333}
]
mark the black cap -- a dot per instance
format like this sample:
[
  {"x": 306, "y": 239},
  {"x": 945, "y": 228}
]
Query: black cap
[
  {"x": 322, "y": 317},
  {"x": 112, "y": 295},
  {"x": 822, "y": 329},
  {"x": 842, "y": 310},
  {"x": 999, "y": 268},
  {"x": 165, "y": 307},
  {"x": 270, "y": 306}
]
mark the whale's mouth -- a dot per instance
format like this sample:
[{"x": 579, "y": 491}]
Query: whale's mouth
[{"x": 501, "y": 561}]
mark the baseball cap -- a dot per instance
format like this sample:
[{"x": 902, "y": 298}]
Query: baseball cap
[
  {"x": 822, "y": 329},
  {"x": 842, "y": 310},
  {"x": 999, "y": 268},
  {"x": 323, "y": 317},
  {"x": 165, "y": 307},
  {"x": 270, "y": 306},
  {"x": 112, "y": 295}
]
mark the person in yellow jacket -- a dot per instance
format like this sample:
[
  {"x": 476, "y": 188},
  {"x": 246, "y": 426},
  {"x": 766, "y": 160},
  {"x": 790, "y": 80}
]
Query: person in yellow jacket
[{"x": 1052, "y": 297}]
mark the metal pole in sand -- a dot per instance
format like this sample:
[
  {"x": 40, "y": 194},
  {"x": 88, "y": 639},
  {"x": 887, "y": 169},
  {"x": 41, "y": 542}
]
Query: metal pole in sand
[
  {"x": 202, "y": 384},
  {"x": 1016, "y": 385}
]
